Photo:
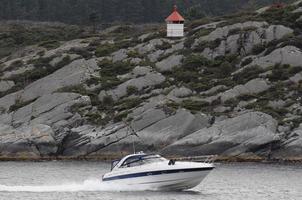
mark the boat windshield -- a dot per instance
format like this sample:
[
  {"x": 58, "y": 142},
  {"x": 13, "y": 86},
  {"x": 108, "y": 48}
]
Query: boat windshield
[
  {"x": 114, "y": 163},
  {"x": 141, "y": 160}
]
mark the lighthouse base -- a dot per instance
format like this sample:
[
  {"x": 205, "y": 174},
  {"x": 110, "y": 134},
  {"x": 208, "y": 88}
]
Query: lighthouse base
[{"x": 175, "y": 30}]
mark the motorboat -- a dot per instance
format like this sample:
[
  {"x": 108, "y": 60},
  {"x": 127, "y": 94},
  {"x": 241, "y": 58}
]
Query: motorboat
[{"x": 154, "y": 172}]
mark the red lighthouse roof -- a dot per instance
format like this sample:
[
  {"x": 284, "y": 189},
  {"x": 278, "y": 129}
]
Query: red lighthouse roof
[{"x": 175, "y": 16}]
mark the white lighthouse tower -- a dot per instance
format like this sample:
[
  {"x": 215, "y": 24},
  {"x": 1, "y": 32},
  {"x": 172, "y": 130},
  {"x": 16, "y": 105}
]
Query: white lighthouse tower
[{"x": 175, "y": 24}]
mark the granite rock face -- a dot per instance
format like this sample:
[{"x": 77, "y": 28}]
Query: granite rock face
[
  {"x": 291, "y": 147},
  {"x": 146, "y": 80},
  {"x": 205, "y": 108},
  {"x": 73, "y": 74},
  {"x": 28, "y": 142},
  {"x": 154, "y": 130},
  {"x": 31, "y": 130},
  {"x": 254, "y": 86},
  {"x": 181, "y": 92},
  {"x": 241, "y": 38},
  {"x": 6, "y": 85},
  {"x": 119, "y": 55},
  {"x": 287, "y": 55},
  {"x": 248, "y": 132},
  {"x": 169, "y": 63}
]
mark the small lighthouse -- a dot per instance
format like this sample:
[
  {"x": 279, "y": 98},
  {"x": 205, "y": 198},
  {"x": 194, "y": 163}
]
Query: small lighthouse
[{"x": 175, "y": 24}]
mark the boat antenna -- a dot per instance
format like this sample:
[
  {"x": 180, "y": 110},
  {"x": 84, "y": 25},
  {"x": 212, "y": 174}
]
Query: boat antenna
[
  {"x": 133, "y": 133},
  {"x": 133, "y": 146}
]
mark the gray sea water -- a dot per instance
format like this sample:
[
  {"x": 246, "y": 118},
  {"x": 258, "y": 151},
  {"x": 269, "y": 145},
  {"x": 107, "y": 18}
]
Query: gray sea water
[{"x": 81, "y": 180}]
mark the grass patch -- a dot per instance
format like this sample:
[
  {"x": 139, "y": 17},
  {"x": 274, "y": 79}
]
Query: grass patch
[
  {"x": 19, "y": 34},
  {"x": 109, "y": 72},
  {"x": 283, "y": 72},
  {"x": 132, "y": 90},
  {"x": 105, "y": 50},
  {"x": 134, "y": 54},
  {"x": 194, "y": 105},
  {"x": 41, "y": 69},
  {"x": 50, "y": 44},
  {"x": 164, "y": 46},
  {"x": 84, "y": 52},
  {"x": 80, "y": 89},
  {"x": 247, "y": 74},
  {"x": 200, "y": 74},
  {"x": 128, "y": 103},
  {"x": 108, "y": 68}
]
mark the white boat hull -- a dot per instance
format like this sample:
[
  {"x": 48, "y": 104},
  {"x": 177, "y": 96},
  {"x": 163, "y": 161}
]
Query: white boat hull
[
  {"x": 153, "y": 172},
  {"x": 175, "y": 179},
  {"x": 179, "y": 181}
]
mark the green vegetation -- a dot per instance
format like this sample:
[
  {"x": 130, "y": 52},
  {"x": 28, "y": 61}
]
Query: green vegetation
[
  {"x": 247, "y": 97},
  {"x": 165, "y": 45},
  {"x": 128, "y": 42},
  {"x": 258, "y": 48},
  {"x": 104, "y": 12},
  {"x": 41, "y": 62},
  {"x": 132, "y": 90},
  {"x": 283, "y": 72},
  {"x": 134, "y": 54},
  {"x": 207, "y": 44},
  {"x": 74, "y": 88},
  {"x": 108, "y": 101},
  {"x": 109, "y": 82},
  {"x": 247, "y": 74},
  {"x": 109, "y": 72},
  {"x": 196, "y": 72},
  {"x": 200, "y": 74},
  {"x": 203, "y": 32},
  {"x": 196, "y": 61},
  {"x": 173, "y": 105},
  {"x": 234, "y": 31},
  {"x": 120, "y": 116},
  {"x": 41, "y": 69},
  {"x": 114, "y": 111},
  {"x": 242, "y": 30},
  {"x": 51, "y": 44},
  {"x": 84, "y": 52},
  {"x": 198, "y": 22},
  {"x": 296, "y": 122},
  {"x": 194, "y": 12},
  {"x": 65, "y": 61},
  {"x": 231, "y": 102},
  {"x": 246, "y": 61},
  {"x": 128, "y": 103},
  {"x": 189, "y": 41},
  {"x": 15, "y": 35},
  {"x": 105, "y": 50},
  {"x": 261, "y": 105},
  {"x": 280, "y": 16},
  {"x": 194, "y": 105},
  {"x": 108, "y": 68}
]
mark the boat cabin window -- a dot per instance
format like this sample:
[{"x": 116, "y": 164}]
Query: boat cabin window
[
  {"x": 132, "y": 161},
  {"x": 141, "y": 160}
]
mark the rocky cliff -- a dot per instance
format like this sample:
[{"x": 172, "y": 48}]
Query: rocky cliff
[{"x": 231, "y": 87}]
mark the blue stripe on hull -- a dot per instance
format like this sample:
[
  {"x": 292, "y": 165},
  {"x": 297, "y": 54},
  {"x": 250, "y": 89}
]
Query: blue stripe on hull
[{"x": 153, "y": 173}]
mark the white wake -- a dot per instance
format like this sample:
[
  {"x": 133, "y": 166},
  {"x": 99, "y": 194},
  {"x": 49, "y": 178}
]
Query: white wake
[{"x": 88, "y": 185}]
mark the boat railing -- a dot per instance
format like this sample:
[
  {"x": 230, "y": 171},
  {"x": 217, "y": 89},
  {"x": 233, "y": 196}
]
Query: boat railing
[{"x": 204, "y": 159}]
